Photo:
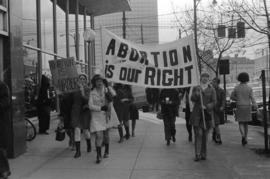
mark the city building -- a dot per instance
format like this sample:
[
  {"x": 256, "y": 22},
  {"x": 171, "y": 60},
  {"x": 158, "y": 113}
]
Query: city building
[{"x": 262, "y": 63}]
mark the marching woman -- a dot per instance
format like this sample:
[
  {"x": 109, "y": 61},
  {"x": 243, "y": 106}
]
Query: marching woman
[
  {"x": 201, "y": 124},
  {"x": 80, "y": 115},
  {"x": 100, "y": 107},
  {"x": 245, "y": 101}
]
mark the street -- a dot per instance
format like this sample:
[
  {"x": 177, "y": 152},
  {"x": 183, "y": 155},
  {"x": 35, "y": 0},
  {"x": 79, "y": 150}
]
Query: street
[{"x": 146, "y": 156}]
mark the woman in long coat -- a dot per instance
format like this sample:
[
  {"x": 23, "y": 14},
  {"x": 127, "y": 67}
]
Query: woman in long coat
[
  {"x": 80, "y": 115},
  {"x": 208, "y": 95},
  {"x": 243, "y": 96},
  {"x": 43, "y": 106},
  {"x": 99, "y": 108}
]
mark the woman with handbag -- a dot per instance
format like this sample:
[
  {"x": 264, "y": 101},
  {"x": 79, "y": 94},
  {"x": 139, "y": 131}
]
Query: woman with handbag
[
  {"x": 204, "y": 100},
  {"x": 243, "y": 96}
]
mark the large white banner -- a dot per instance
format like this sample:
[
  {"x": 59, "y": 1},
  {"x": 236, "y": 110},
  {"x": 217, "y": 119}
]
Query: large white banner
[{"x": 170, "y": 65}]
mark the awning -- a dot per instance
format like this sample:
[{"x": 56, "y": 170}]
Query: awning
[{"x": 96, "y": 7}]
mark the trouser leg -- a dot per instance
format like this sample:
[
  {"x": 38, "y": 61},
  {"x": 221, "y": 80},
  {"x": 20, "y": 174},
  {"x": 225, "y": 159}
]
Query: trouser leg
[
  {"x": 204, "y": 142},
  {"x": 172, "y": 126},
  {"x": 126, "y": 124},
  {"x": 198, "y": 140},
  {"x": 133, "y": 125},
  {"x": 4, "y": 165},
  {"x": 167, "y": 130}
]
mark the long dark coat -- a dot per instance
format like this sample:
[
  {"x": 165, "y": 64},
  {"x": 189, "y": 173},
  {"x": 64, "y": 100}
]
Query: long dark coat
[
  {"x": 4, "y": 114},
  {"x": 209, "y": 101},
  {"x": 221, "y": 100},
  {"x": 80, "y": 113},
  {"x": 169, "y": 109}
]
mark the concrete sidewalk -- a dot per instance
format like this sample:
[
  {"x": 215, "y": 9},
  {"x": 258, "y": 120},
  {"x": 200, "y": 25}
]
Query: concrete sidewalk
[{"x": 145, "y": 156}]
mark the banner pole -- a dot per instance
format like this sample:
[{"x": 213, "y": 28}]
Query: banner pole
[
  {"x": 102, "y": 56},
  {"x": 201, "y": 98}
]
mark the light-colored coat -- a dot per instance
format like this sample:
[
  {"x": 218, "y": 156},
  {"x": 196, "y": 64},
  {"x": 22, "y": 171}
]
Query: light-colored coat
[
  {"x": 96, "y": 101},
  {"x": 243, "y": 96}
]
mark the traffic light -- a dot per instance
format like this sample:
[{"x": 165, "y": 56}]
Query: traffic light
[
  {"x": 241, "y": 29},
  {"x": 231, "y": 32},
  {"x": 221, "y": 30}
]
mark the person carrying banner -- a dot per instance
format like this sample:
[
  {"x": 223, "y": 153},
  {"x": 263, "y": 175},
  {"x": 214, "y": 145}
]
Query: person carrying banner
[
  {"x": 80, "y": 115},
  {"x": 204, "y": 99},
  {"x": 169, "y": 100},
  {"x": 218, "y": 110}
]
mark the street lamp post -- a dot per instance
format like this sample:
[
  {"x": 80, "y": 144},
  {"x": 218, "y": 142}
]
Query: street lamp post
[{"x": 74, "y": 38}]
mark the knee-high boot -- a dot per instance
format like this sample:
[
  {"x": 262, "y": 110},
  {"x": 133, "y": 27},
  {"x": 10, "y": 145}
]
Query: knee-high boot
[
  {"x": 106, "y": 153},
  {"x": 127, "y": 132},
  {"x": 120, "y": 130},
  {"x": 89, "y": 146},
  {"x": 98, "y": 155},
  {"x": 78, "y": 149}
]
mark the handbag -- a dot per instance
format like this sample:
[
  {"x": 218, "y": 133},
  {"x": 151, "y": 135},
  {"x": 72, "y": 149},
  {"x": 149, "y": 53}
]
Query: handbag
[
  {"x": 60, "y": 134},
  {"x": 159, "y": 115}
]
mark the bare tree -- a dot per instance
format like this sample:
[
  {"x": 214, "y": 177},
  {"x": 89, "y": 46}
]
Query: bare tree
[{"x": 208, "y": 20}]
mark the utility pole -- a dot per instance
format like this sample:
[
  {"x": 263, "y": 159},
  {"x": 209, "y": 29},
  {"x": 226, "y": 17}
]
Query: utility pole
[
  {"x": 124, "y": 24},
  {"x": 180, "y": 34},
  {"x": 39, "y": 55},
  {"x": 142, "y": 40}
]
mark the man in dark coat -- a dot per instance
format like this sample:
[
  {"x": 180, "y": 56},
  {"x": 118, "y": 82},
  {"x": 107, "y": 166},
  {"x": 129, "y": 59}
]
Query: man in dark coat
[
  {"x": 4, "y": 120},
  {"x": 169, "y": 99},
  {"x": 43, "y": 106},
  {"x": 218, "y": 110}
]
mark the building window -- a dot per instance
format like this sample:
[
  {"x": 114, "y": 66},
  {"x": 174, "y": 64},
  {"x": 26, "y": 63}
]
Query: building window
[{"x": 4, "y": 17}]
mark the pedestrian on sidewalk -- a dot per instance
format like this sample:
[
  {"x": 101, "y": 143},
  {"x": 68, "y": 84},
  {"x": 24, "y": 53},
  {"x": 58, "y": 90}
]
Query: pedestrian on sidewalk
[
  {"x": 169, "y": 100},
  {"x": 5, "y": 103},
  {"x": 43, "y": 106},
  {"x": 208, "y": 95},
  {"x": 66, "y": 101},
  {"x": 134, "y": 115},
  {"x": 80, "y": 115},
  {"x": 218, "y": 110},
  {"x": 121, "y": 103},
  {"x": 99, "y": 107},
  {"x": 245, "y": 101}
]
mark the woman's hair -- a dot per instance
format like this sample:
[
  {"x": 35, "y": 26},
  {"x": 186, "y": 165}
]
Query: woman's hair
[
  {"x": 94, "y": 79},
  {"x": 205, "y": 75},
  {"x": 243, "y": 77},
  {"x": 216, "y": 79}
]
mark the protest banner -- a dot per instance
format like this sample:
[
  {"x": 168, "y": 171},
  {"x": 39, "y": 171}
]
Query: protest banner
[
  {"x": 170, "y": 65},
  {"x": 64, "y": 74}
]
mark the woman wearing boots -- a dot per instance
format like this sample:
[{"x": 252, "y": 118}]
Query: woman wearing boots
[
  {"x": 99, "y": 107},
  {"x": 80, "y": 115},
  {"x": 121, "y": 104},
  {"x": 243, "y": 96}
]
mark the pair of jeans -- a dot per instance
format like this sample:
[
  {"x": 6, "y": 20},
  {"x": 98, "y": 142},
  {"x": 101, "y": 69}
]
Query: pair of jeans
[
  {"x": 201, "y": 136},
  {"x": 169, "y": 126}
]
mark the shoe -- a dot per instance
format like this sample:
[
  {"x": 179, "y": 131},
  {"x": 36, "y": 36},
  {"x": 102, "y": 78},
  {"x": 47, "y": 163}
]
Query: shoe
[
  {"x": 197, "y": 158},
  {"x": 106, "y": 155},
  {"x": 190, "y": 138},
  {"x": 168, "y": 142},
  {"x": 218, "y": 139},
  {"x": 203, "y": 157},
  {"x": 44, "y": 133},
  {"x": 121, "y": 140},
  {"x": 173, "y": 139},
  {"x": 244, "y": 141}
]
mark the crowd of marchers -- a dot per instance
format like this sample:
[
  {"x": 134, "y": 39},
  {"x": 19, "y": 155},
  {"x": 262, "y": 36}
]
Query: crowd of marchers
[{"x": 99, "y": 106}]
